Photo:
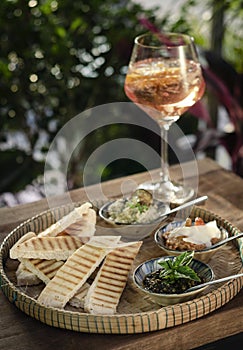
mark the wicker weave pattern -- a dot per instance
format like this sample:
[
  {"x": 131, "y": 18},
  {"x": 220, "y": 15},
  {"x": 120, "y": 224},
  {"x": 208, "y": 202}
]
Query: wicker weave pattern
[{"x": 136, "y": 313}]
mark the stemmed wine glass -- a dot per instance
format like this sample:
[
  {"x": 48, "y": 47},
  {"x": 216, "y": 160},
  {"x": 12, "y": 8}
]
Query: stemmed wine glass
[{"x": 164, "y": 79}]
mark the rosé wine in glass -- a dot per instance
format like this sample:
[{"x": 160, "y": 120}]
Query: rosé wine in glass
[
  {"x": 164, "y": 86},
  {"x": 165, "y": 80}
]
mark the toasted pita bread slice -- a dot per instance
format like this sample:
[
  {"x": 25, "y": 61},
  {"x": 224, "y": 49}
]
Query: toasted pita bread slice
[
  {"x": 75, "y": 272},
  {"x": 84, "y": 214},
  {"x": 78, "y": 299},
  {"x": 45, "y": 270},
  {"x": 84, "y": 228},
  {"x": 105, "y": 292},
  {"x": 58, "y": 248},
  {"x": 38, "y": 270},
  {"x": 22, "y": 239},
  {"x": 25, "y": 277}
]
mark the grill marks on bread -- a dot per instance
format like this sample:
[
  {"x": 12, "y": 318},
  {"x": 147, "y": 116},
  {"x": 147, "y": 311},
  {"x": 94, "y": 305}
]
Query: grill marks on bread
[
  {"x": 58, "y": 248},
  {"x": 73, "y": 274},
  {"x": 105, "y": 292},
  {"x": 85, "y": 227},
  {"x": 72, "y": 239},
  {"x": 70, "y": 278},
  {"x": 45, "y": 270},
  {"x": 48, "y": 267},
  {"x": 79, "y": 223},
  {"x": 84, "y": 215}
]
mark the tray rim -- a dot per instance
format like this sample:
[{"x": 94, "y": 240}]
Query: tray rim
[{"x": 129, "y": 323}]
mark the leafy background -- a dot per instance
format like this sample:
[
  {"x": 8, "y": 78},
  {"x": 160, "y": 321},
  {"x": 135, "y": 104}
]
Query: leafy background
[{"x": 61, "y": 57}]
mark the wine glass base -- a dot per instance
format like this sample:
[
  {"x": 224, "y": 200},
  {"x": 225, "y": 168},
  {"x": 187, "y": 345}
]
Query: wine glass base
[{"x": 168, "y": 192}]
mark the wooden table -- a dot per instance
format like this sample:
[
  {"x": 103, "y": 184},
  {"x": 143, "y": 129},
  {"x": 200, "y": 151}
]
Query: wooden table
[{"x": 19, "y": 331}]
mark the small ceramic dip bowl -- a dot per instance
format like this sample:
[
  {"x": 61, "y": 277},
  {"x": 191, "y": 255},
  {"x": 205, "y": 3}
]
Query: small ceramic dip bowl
[
  {"x": 147, "y": 222},
  {"x": 203, "y": 254},
  {"x": 203, "y": 270}
]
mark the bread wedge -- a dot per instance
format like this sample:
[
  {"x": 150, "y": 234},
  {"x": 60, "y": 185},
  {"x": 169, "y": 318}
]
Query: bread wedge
[
  {"x": 25, "y": 277},
  {"x": 35, "y": 271},
  {"x": 76, "y": 270},
  {"x": 84, "y": 214},
  {"x": 22, "y": 239},
  {"x": 78, "y": 299},
  {"x": 84, "y": 228},
  {"x": 105, "y": 292},
  {"x": 58, "y": 248},
  {"x": 45, "y": 270}
]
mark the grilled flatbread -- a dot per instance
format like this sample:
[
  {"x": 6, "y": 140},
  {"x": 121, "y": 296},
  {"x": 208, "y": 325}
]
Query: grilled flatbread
[
  {"x": 84, "y": 228},
  {"x": 20, "y": 272},
  {"x": 84, "y": 215},
  {"x": 76, "y": 270},
  {"x": 58, "y": 248},
  {"x": 45, "y": 270},
  {"x": 35, "y": 271},
  {"x": 105, "y": 292},
  {"x": 23, "y": 239},
  {"x": 78, "y": 299},
  {"x": 25, "y": 277}
]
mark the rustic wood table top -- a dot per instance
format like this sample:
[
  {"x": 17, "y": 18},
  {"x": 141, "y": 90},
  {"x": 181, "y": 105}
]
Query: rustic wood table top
[{"x": 19, "y": 331}]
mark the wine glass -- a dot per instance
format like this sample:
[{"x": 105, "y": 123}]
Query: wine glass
[{"x": 164, "y": 79}]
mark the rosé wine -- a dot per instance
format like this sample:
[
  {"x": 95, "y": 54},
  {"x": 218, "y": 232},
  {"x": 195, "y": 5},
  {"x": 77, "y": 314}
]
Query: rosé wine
[{"x": 165, "y": 85}]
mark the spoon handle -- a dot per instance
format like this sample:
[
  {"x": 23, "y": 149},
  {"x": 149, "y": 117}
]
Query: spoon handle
[
  {"x": 188, "y": 204},
  {"x": 226, "y": 240},
  {"x": 214, "y": 282}
]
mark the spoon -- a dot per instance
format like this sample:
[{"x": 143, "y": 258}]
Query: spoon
[
  {"x": 183, "y": 206},
  {"x": 161, "y": 217},
  {"x": 214, "y": 282},
  {"x": 226, "y": 240}
]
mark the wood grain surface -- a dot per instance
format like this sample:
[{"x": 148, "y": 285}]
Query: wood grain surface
[{"x": 19, "y": 331}]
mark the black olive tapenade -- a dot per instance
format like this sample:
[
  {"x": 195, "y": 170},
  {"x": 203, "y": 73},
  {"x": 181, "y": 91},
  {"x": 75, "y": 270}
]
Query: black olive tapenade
[{"x": 154, "y": 283}]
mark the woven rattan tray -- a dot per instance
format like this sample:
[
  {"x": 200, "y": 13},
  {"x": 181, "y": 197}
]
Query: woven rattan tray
[{"x": 136, "y": 312}]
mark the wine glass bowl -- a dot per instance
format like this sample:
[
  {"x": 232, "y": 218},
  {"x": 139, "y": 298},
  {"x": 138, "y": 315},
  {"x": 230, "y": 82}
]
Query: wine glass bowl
[{"x": 164, "y": 79}]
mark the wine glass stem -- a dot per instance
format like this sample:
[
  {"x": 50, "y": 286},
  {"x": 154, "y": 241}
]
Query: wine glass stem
[{"x": 164, "y": 174}]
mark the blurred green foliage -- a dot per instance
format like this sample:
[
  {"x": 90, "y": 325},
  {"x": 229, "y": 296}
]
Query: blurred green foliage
[{"x": 57, "y": 59}]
